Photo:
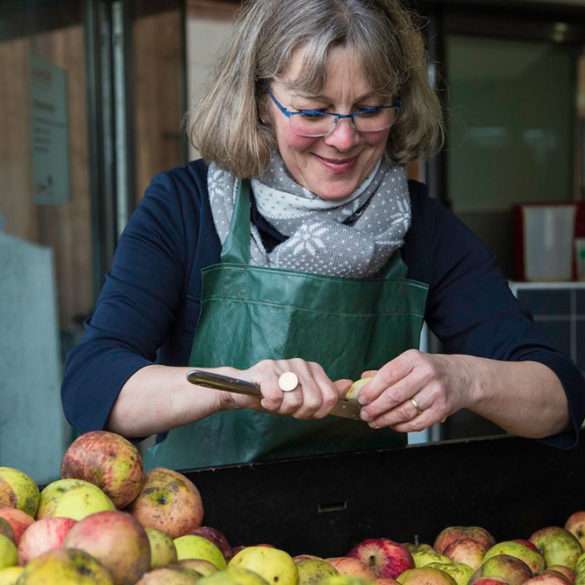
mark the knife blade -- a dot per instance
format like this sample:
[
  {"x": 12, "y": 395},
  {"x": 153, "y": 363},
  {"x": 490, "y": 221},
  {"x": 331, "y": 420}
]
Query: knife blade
[{"x": 344, "y": 408}]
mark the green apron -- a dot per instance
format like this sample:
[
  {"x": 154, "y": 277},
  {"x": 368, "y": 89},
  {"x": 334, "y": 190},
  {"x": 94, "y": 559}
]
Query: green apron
[{"x": 251, "y": 313}]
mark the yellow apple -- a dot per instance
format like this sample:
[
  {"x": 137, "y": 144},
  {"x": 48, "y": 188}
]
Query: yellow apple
[
  {"x": 354, "y": 391},
  {"x": 275, "y": 565},
  {"x": 18, "y": 490},
  {"x": 233, "y": 576},
  {"x": 9, "y": 575},
  {"x": 193, "y": 546},
  {"x": 162, "y": 548},
  {"x": 313, "y": 571},
  {"x": 425, "y": 576},
  {"x": 8, "y": 552},
  {"x": 425, "y": 554},
  {"x": 460, "y": 572}
]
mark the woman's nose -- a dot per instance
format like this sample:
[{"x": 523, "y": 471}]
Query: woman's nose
[{"x": 344, "y": 136}]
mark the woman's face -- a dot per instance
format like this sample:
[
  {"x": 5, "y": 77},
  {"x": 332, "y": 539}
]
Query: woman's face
[{"x": 331, "y": 166}]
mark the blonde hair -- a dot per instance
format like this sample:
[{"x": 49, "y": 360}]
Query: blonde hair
[{"x": 226, "y": 127}]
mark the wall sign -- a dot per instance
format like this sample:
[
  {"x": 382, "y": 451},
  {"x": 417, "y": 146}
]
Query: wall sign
[{"x": 49, "y": 132}]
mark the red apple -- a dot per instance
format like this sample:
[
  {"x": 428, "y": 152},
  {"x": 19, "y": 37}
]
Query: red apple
[
  {"x": 170, "y": 502},
  {"x": 384, "y": 557},
  {"x": 18, "y": 519},
  {"x": 352, "y": 567},
  {"x": 549, "y": 578},
  {"x": 467, "y": 551},
  {"x": 217, "y": 537},
  {"x": 117, "y": 541},
  {"x": 42, "y": 536},
  {"x": 487, "y": 581},
  {"x": 453, "y": 533},
  {"x": 575, "y": 524},
  {"x": 569, "y": 574},
  {"x": 107, "y": 460}
]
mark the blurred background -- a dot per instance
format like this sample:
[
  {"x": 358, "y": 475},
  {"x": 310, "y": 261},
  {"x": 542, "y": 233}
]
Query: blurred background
[{"x": 93, "y": 95}]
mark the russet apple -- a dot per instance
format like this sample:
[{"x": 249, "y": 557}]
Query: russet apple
[
  {"x": 63, "y": 566},
  {"x": 10, "y": 575},
  {"x": 313, "y": 571},
  {"x": 466, "y": 550},
  {"x": 18, "y": 490},
  {"x": 107, "y": 460},
  {"x": 505, "y": 567},
  {"x": 515, "y": 549},
  {"x": 217, "y": 537},
  {"x": 42, "y": 536},
  {"x": 453, "y": 533},
  {"x": 18, "y": 520},
  {"x": 8, "y": 552},
  {"x": 352, "y": 567},
  {"x": 557, "y": 545},
  {"x": 384, "y": 557},
  {"x": 575, "y": 524},
  {"x": 273, "y": 564},
  {"x": 169, "y": 576},
  {"x": 162, "y": 548},
  {"x": 425, "y": 576},
  {"x": 117, "y": 541},
  {"x": 72, "y": 498},
  {"x": 193, "y": 546},
  {"x": 169, "y": 501},
  {"x": 424, "y": 554},
  {"x": 460, "y": 572}
]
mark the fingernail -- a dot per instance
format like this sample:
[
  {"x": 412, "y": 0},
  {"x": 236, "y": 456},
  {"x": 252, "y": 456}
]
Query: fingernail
[{"x": 365, "y": 416}]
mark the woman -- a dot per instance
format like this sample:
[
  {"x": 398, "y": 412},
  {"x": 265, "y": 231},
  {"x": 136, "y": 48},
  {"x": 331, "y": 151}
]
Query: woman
[{"x": 318, "y": 258}]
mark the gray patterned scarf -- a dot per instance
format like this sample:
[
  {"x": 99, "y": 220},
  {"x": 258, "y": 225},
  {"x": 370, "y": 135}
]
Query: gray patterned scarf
[{"x": 376, "y": 216}]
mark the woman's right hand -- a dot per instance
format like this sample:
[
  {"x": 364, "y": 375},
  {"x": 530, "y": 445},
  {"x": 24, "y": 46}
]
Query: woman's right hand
[{"x": 313, "y": 398}]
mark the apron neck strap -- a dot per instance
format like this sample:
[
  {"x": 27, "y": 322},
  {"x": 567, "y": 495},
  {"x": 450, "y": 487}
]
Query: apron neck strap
[{"x": 236, "y": 248}]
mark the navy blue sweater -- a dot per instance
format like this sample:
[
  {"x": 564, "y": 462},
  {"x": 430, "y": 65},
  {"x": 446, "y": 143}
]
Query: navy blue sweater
[{"x": 148, "y": 308}]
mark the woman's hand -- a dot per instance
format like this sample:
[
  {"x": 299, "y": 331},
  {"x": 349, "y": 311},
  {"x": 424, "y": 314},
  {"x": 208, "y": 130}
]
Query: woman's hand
[
  {"x": 314, "y": 397},
  {"x": 415, "y": 390}
]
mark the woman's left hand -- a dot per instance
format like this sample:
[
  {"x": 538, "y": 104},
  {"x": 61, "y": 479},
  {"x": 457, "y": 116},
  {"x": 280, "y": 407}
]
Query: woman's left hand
[{"x": 414, "y": 391}]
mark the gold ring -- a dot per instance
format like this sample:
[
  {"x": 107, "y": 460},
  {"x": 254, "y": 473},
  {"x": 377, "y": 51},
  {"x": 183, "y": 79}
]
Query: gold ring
[
  {"x": 415, "y": 404},
  {"x": 288, "y": 381}
]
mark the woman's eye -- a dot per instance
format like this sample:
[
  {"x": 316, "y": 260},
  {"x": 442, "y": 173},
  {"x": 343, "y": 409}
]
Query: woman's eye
[
  {"x": 366, "y": 112},
  {"x": 313, "y": 113}
]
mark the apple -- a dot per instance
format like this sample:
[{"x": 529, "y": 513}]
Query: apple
[
  {"x": 466, "y": 550},
  {"x": 505, "y": 567},
  {"x": 385, "y": 581},
  {"x": 355, "y": 389},
  {"x": 460, "y": 572},
  {"x": 72, "y": 498},
  {"x": 162, "y": 548},
  {"x": 453, "y": 533},
  {"x": 217, "y": 537},
  {"x": 9, "y": 575},
  {"x": 526, "y": 542},
  {"x": 169, "y": 501},
  {"x": 233, "y": 576},
  {"x": 43, "y": 535},
  {"x": 117, "y": 541},
  {"x": 304, "y": 556},
  {"x": 344, "y": 580},
  {"x": 18, "y": 520},
  {"x": 424, "y": 554},
  {"x": 575, "y": 524},
  {"x": 557, "y": 545},
  {"x": 515, "y": 549},
  {"x": 6, "y": 529},
  {"x": 351, "y": 567},
  {"x": 486, "y": 581},
  {"x": 193, "y": 546},
  {"x": 8, "y": 552},
  {"x": 169, "y": 576},
  {"x": 384, "y": 557},
  {"x": 569, "y": 574},
  {"x": 273, "y": 564},
  {"x": 425, "y": 576},
  {"x": 547, "y": 579},
  {"x": 18, "y": 490},
  {"x": 107, "y": 460},
  {"x": 312, "y": 571},
  {"x": 62, "y": 566},
  {"x": 200, "y": 566}
]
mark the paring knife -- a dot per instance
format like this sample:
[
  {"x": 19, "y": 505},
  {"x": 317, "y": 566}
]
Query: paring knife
[{"x": 344, "y": 408}]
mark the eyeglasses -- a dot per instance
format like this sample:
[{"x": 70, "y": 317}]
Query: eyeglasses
[{"x": 313, "y": 123}]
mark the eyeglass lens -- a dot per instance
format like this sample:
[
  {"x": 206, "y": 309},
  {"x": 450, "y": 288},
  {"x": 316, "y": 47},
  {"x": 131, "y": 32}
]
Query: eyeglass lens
[{"x": 321, "y": 125}]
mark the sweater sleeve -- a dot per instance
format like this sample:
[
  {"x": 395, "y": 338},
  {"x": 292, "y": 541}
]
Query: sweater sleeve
[
  {"x": 472, "y": 311},
  {"x": 134, "y": 311}
]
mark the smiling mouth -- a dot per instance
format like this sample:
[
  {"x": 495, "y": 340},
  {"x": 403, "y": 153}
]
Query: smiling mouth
[{"x": 335, "y": 161}]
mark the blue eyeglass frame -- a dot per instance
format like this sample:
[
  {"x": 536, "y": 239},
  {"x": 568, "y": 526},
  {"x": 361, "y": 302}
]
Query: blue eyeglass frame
[{"x": 286, "y": 112}]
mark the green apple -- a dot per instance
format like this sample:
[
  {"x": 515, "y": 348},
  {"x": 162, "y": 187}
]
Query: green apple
[
  {"x": 18, "y": 490},
  {"x": 8, "y": 552},
  {"x": 345, "y": 580},
  {"x": 425, "y": 576},
  {"x": 275, "y": 565},
  {"x": 313, "y": 571},
  {"x": 6, "y": 529},
  {"x": 162, "y": 548},
  {"x": 200, "y": 566},
  {"x": 557, "y": 545},
  {"x": 509, "y": 569},
  {"x": 193, "y": 546},
  {"x": 424, "y": 554},
  {"x": 9, "y": 575},
  {"x": 515, "y": 549},
  {"x": 72, "y": 498},
  {"x": 460, "y": 572},
  {"x": 233, "y": 576}
]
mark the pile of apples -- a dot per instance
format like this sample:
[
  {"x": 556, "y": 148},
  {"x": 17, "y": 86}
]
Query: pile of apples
[{"x": 107, "y": 522}]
